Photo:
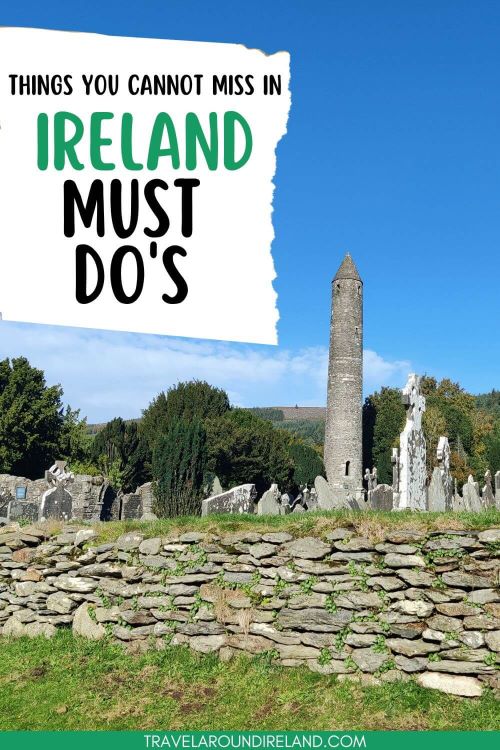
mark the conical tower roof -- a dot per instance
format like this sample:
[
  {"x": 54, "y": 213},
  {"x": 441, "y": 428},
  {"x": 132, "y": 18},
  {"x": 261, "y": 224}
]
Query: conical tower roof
[{"x": 347, "y": 270}]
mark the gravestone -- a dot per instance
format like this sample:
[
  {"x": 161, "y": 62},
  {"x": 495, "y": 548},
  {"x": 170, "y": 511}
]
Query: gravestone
[
  {"x": 286, "y": 501},
  {"x": 22, "y": 510},
  {"x": 487, "y": 497},
  {"x": 328, "y": 499},
  {"x": 471, "y": 496},
  {"x": 497, "y": 489},
  {"x": 236, "y": 500},
  {"x": 4, "y": 504},
  {"x": 269, "y": 504},
  {"x": 412, "y": 454},
  {"x": 312, "y": 500},
  {"x": 370, "y": 478},
  {"x": 131, "y": 506},
  {"x": 381, "y": 497},
  {"x": 437, "y": 493},
  {"x": 147, "y": 497},
  {"x": 56, "y": 504},
  {"x": 458, "y": 501},
  {"x": 440, "y": 495}
]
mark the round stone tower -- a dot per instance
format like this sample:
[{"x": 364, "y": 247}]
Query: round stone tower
[{"x": 343, "y": 432}]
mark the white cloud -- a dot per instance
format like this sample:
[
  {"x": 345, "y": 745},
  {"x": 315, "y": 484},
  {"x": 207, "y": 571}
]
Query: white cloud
[
  {"x": 379, "y": 371},
  {"x": 108, "y": 374}
]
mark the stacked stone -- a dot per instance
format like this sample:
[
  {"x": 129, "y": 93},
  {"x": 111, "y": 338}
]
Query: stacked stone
[{"x": 411, "y": 605}]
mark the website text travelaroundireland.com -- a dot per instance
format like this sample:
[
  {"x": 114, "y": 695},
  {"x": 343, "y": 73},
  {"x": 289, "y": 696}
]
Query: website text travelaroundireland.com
[{"x": 253, "y": 741}]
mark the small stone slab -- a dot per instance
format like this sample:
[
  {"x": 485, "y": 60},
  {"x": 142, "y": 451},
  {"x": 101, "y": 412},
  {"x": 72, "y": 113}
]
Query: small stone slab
[
  {"x": 468, "y": 687},
  {"x": 84, "y": 625},
  {"x": 307, "y": 548},
  {"x": 236, "y": 500},
  {"x": 368, "y": 660}
]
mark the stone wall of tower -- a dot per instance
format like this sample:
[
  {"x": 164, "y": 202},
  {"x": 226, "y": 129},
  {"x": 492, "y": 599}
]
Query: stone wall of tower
[{"x": 343, "y": 435}]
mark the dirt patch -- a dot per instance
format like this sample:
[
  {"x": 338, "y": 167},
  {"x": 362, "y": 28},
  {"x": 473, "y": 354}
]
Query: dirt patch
[
  {"x": 39, "y": 671},
  {"x": 189, "y": 708},
  {"x": 264, "y": 711},
  {"x": 173, "y": 693}
]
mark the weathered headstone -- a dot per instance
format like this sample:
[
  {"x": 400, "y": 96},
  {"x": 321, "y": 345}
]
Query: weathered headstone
[
  {"x": 269, "y": 504},
  {"x": 437, "y": 494},
  {"x": 147, "y": 497},
  {"x": 286, "y": 501},
  {"x": 371, "y": 479},
  {"x": 236, "y": 500},
  {"x": 381, "y": 497},
  {"x": 487, "y": 496},
  {"x": 471, "y": 496},
  {"x": 443, "y": 457},
  {"x": 328, "y": 498},
  {"x": 312, "y": 500},
  {"x": 56, "y": 504},
  {"x": 458, "y": 501},
  {"x": 217, "y": 488},
  {"x": 4, "y": 504},
  {"x": 412, "y": 455},
  {"x": 440, "y": 494},
  {"x": 298, "y": 508},
  {"x": 22, "y": 510},
  {"x": 131, "y": 506},
  {"x": 497, "y": 489}
]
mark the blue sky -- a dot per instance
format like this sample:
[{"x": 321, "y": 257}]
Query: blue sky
[{"x": 392, "y": 153}]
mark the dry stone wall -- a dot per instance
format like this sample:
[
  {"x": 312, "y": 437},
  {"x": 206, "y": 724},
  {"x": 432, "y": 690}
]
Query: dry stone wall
[{"x": 409, "y": 606}]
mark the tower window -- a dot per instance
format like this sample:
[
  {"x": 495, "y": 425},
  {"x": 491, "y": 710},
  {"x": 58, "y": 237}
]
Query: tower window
[{"x": 347, "y": 468}]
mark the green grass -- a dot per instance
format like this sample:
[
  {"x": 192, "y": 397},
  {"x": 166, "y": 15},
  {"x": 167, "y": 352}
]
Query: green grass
[
  {"x": 301, "y": 525},
  {"x": 71, "y": 683}
]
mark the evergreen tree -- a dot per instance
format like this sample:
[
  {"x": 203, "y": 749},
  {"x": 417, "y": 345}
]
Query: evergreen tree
[
  {"x": 307, "y": 464},
  {"x": 117, "y": 450},
  {"x": 195, "y": 399},
  {"x": 243, "y": 448},
  {"x": 31, "y": 419},
  {"x": 389, "y": 422},
  {"x": 179, "y": 462},
  {"x": 75, "y": 442}
]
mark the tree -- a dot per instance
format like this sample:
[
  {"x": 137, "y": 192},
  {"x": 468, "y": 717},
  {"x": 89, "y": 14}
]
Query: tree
[
  {"x": 195, "y": 399},
  {"x": 493, "y": 449},
  {"x": 179, "y": 462},
  {"x": 268, "y": 412},
  {"x": 31, "y": 419},
  {"x": 310, "y": 431},
  {"x": 154, "y": 421},
  {"x": 120, "y": 455},
  {"x": 434, "y": 425},
  {"x": 242, "y": 448},
  {"x": 384, "y": 413},
  {"x": 307, "y": 465},
  {"x": 75, "y": 442}
]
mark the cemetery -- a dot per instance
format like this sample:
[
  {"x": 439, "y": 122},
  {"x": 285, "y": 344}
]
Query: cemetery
[
  {"x": 372, "y": 583},
  {"x": 348, "y": 484}
]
